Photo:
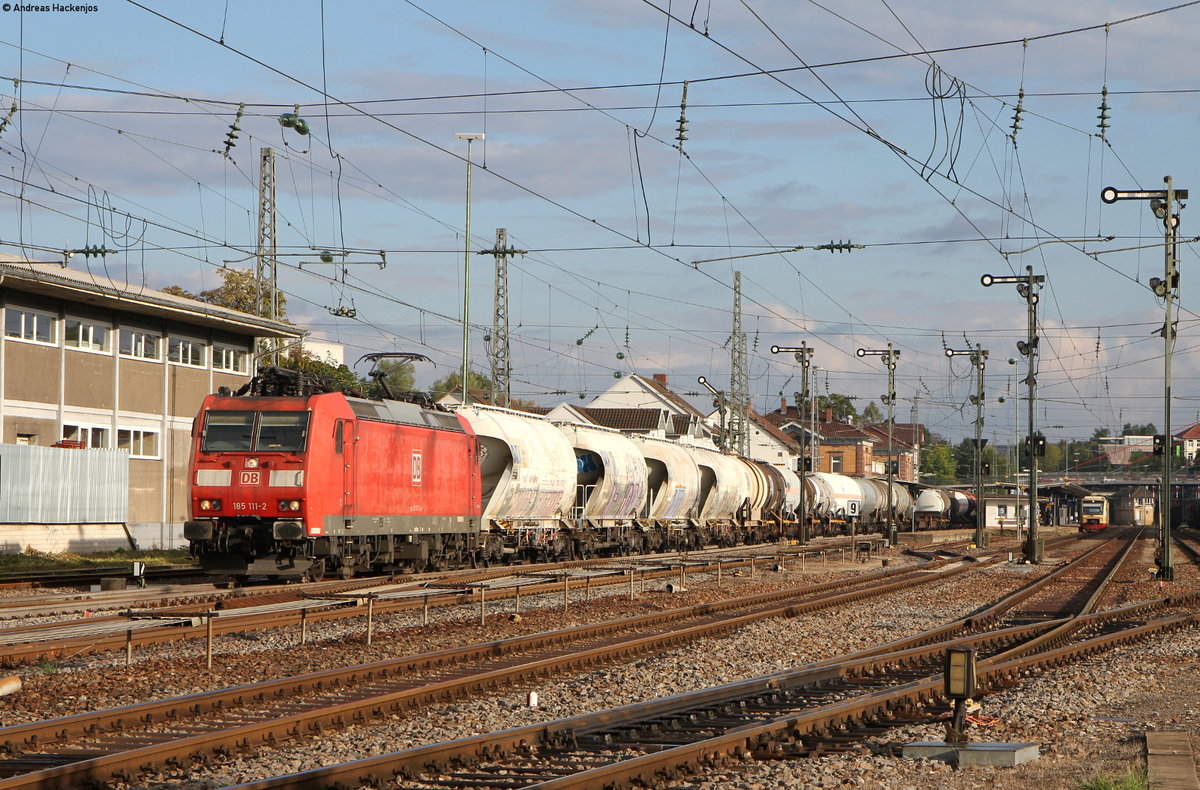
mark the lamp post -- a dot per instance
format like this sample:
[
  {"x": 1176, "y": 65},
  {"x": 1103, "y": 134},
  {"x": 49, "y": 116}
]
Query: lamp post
[
  {"x": 815, "y": 450},
  {"x": 1027, "y": 288},
  {"x": 889, "y": 359},
  {"x": 803, "y": 355},
  {"x": 470, "y": 137},
  {"x": 1162, "y": 204},
  {"x": 978, "y": 357}
]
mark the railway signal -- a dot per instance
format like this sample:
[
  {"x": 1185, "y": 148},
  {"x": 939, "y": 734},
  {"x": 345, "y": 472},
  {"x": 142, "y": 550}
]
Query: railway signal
[
  {"x": 889, "y": 359},
  {"x": 1163, "y": 203},
  {"x": 1027, "y": 288},
  {"x": 978, "y": 356},
  {"x": 804, "y": 356}
]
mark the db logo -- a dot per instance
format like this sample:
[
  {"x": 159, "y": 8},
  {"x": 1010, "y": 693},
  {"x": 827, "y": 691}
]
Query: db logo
[
  {"x": 416, "y": 467},
  {"x": 250, "y": 477}
]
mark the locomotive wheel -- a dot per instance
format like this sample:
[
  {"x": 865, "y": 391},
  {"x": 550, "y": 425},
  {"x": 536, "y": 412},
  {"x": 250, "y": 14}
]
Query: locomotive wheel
[{"x": 316, "y": 571}]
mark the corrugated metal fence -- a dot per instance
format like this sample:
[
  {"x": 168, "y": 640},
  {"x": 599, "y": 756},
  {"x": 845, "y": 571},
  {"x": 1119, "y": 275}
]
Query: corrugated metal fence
[{"x": 49, "y": 485}]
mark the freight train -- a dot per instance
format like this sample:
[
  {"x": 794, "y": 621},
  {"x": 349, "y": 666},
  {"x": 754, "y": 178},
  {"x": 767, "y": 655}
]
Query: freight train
[{"x": 290, "y": 481}]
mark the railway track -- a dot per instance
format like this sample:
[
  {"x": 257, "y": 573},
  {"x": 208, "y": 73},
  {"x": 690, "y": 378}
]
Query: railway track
[
  {"x": 206, "y": 615},
  {"x": 56, "y": 753},
  {"x": 651, "y": 743},
  {"x": 790, "y": 714},
  {"x": 74, "y": 577},
  {"x": 279, "y": 710}
]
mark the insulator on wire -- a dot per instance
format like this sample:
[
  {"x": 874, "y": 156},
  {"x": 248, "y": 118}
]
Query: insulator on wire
[
  {"x": 232, "y": 135},
  {"x": 1103, "y": 116},
  {"x": 1016, "y": 124},
  {"x": 681, "y": 134}
]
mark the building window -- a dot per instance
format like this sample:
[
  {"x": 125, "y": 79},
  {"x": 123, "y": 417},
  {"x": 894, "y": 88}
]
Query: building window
[
  {"x": 835, "y": 464},
  {"x": 86, "y": 335},
  {"x": 139, "y": 443},
  {"x": 136, "y": 343},
  {"x": 28, "y": 325},
  {"x": 84, "y": 436},
  {"x": 26, "y": 438},
  {"x": 185, "y": 351},
  {"x": 229, "y": 359}
]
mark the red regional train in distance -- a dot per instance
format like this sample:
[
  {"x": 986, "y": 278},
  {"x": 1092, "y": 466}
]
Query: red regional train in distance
[{"x": 292, "y": 480}]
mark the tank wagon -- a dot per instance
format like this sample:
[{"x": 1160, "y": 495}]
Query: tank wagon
[
  {"x": 290, "y": 481},
  {"x": 936, "y": 508}
]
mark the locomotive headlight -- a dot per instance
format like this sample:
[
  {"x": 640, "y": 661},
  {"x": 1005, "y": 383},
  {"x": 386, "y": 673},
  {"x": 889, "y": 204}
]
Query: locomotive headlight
[
  {"x": 210, "y": 504},
  {"x": 289, "y": 504},
  {"x": 251, "y": 463}
]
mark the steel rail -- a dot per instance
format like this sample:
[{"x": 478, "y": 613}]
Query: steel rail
[
  {"x": 229, "y": 622},
  {"x": 662, "y": 764},
  {"x": 269, "y": 727},
  {"x": 277, "y": 728},
  {"x": 11, "y": 738},
  {"x": 1065, "y": 630},
  {"x": 69, "y": 577}
]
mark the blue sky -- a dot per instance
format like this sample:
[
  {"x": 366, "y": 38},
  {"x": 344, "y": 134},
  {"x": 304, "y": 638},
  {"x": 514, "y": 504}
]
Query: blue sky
[{"x": 122, "y": 115}]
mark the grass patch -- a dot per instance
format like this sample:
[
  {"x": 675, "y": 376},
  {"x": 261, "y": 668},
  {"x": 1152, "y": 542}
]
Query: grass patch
[
  {"x": 1134, "y": 780},
  {"x": 44, "y": 561}
]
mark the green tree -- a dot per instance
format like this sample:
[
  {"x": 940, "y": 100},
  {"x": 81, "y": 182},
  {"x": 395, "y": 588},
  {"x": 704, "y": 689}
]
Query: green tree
[
  {"x": 871, "y": 414},
  {"x": 452, "y": 381},
  {"x": 995, "y": 465},
  {"x": 1146, "y": 429},
  {"x": 236, "y": 291},
  {"x": 398, "y": 374},
  {"x": 937, "y": 463},
  {"x": 842, "y": 405},
  {"x": 337, "y": 377}
]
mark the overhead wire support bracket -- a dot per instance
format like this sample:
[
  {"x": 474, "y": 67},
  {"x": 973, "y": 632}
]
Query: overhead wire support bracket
[
  {"x": 327, "y": 257},
  {"x": 833, "y": 246}
]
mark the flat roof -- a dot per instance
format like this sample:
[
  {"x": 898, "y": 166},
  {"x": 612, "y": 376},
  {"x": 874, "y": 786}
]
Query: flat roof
[{"x": 55, "y": 280}]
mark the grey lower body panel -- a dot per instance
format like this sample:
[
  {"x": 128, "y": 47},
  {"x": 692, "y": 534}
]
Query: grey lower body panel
[{"x": 400, "y": 525}]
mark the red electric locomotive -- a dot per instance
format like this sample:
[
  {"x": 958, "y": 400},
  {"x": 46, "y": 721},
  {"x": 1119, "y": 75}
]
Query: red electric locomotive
[{"x": 290, "y": 482}]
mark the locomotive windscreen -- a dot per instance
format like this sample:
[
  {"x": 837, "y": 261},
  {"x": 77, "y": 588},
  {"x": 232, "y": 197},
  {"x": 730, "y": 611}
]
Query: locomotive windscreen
[
  {"x": 249, "y": 431},
  {"x": 228, "y": 431}
]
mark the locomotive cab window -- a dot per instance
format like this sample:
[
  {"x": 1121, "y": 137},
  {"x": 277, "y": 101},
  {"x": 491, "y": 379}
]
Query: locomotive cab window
[
  {"x": 228, "y": 431},
  {"x": 281, "y": 431}
]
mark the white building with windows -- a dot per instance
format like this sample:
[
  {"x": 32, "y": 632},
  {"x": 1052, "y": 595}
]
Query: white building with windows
[{"x": 87, "y": 362}]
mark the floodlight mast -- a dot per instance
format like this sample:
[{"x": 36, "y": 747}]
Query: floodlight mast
[
  {"x": 978, "y": 357},
  {"x": 804, "y": 356},
  {"x": 1162, "y": 204},
  {"x": 1027, "y": 288},
  {"x": 470, "y": 137},
  {"x": 889, "y": 359}
]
